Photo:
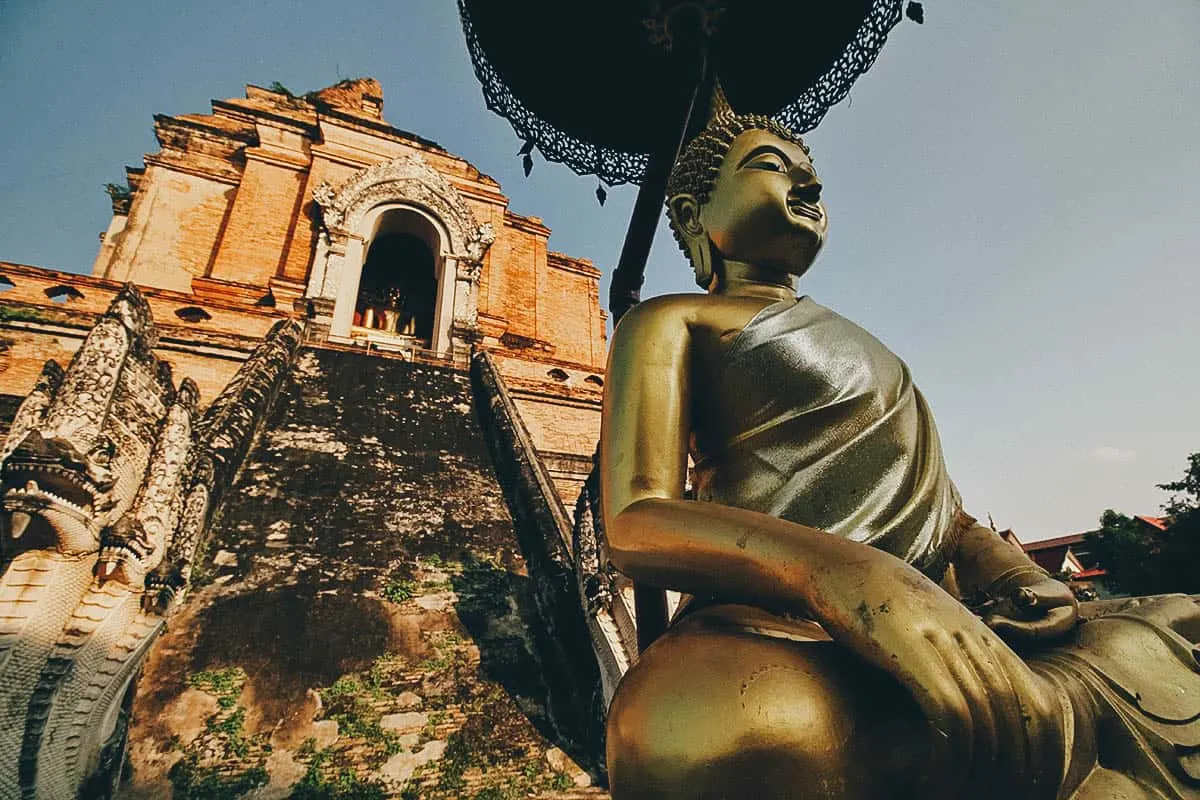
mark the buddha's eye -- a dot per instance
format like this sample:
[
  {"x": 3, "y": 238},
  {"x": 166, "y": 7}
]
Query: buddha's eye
[{"x": 769, "y": 162}]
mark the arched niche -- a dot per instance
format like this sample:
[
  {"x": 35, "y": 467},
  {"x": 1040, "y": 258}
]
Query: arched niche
[
  {"x": 400, "y": 198},
  {"x": 402, "y": 287}
]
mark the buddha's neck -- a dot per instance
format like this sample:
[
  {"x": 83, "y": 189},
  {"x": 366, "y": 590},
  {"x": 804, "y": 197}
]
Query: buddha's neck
[{"x": 749, "y": 280}]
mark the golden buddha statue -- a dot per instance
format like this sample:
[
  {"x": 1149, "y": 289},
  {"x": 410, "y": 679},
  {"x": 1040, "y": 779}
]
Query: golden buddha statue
[{"x": 824, "y": 650}]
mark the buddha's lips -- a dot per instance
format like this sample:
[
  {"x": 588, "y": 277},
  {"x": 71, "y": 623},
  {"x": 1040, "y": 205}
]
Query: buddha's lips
[{"x": 805, "y": 210}]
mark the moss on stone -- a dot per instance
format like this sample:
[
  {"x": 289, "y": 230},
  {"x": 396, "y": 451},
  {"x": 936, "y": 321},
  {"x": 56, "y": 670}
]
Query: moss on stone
[
  {"x": 325, "y": 780},
  {"x": 397, "y": 591},
  {"x": 192, "y": 781},
  {"x": 222, "y": 762},
  {"x": 17, "y": 314},
  {"x": 224, "y": 684}
]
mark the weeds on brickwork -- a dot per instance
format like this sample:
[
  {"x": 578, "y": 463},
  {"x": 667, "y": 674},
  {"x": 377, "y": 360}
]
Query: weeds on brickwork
[
  {"x": 324, "y": 780},
  {"x": 477, "y": 763},
  {"x": 464, "y": 754},
  {"x": 119, "y": 191},
  {"x": 14, "y": 314},
  {"x": 224, "y": 684},
  {"x": 489, "y": 755},
  {"x": 397, "y": 591},
  {"x": 354, "y": 705},
  {"x": 190, "y": 781},
  {"x": 213, "y": 764}
]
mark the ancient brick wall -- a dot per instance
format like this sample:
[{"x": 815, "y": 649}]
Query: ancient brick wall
[
  {"x": 225, "y": 210},
  {"x": 253, "y": 246},
  {"x": 35, "y": 328},
  {"x": 172, "y": 231},
  {"x": 363, "y": 614}
]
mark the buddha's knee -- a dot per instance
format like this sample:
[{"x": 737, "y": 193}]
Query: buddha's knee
[{"x": 745, "y": 715}]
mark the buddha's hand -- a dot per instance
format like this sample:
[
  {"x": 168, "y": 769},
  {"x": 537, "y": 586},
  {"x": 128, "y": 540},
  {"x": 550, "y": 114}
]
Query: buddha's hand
[
  {"x": 1031, "y": 606},
  {"x": 995, "y": 729}
]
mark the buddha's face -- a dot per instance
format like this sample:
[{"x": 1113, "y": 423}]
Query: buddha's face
[{"x": 765, "y": 207}]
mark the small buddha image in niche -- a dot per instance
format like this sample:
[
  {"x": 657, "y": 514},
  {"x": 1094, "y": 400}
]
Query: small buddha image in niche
[
  {"x": 397, "y": 287},
  {"x": 849, "y": 631}
]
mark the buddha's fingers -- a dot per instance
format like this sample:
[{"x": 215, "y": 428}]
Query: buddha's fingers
[
  {"x": 1000, "y": 762},
  {"x": 1041, "y": 716},
  {"x": 981, "y": 715},
  {"x": 938, "y": 690},
  {"x": 1057, "y": 622}
]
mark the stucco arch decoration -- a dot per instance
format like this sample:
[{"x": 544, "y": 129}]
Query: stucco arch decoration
[{"x": 348, "y": 214}]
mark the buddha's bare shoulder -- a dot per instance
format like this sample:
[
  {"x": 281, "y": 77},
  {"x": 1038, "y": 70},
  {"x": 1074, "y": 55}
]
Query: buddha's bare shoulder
[{"x": 676, "y": 314}]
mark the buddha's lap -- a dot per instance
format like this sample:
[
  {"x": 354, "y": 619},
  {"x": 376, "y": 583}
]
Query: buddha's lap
[
  {"x": 734, "y": 673},
  {"x": 725, "y": 680}
]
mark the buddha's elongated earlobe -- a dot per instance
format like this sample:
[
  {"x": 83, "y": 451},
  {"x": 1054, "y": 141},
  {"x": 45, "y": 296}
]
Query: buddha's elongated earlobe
[
  {"x": 700, "y": 252},
  {"x": 684, "y": 211}
]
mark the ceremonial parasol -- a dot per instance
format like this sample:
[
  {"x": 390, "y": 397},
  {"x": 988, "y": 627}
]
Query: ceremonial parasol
[{"x": 612, "y": 88}]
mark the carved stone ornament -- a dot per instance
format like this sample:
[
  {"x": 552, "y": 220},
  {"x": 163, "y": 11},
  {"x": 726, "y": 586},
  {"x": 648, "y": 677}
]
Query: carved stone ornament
[
  {"x": 408, "y": 179},
  {"x": 106, "y": 479}
]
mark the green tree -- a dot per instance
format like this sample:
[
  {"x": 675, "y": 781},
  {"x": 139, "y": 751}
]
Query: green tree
[{"x": 1143, "y": 560}]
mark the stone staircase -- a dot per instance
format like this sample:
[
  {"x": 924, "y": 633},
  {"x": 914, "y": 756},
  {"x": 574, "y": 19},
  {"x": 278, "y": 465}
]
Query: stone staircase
[{"x": 363, "y": 623}]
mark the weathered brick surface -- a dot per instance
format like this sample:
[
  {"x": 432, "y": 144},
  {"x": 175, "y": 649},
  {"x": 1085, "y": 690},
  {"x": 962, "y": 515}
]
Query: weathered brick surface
[
  {"x": 225, "y": 313},
  {"x": 230, "y": 196},
  {"x": 22, "y": 355},
  {"x": 559, "y": 427},
  {"x": 24, "y": 349},
  {"x": 172, "y": 230},
  {"x": 267, "y": 204},
  {"x": 365, "y": 610}
]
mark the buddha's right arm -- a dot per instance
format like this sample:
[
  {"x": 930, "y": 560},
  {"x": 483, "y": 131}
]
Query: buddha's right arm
[
  {"x": 984, "y": 704},
  {"x": 655, "y": 536}
]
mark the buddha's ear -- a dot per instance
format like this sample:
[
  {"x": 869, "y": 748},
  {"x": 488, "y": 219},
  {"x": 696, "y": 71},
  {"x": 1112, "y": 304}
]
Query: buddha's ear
[{"x": 684, "y": 211}]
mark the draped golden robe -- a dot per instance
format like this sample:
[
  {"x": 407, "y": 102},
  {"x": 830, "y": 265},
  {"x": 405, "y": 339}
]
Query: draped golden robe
[{"x": 811, "y": 419}]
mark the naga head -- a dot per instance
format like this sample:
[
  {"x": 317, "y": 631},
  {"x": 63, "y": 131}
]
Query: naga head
[
  {"x": 80, "y": 444},
  {"x": 54, "y": 495}
]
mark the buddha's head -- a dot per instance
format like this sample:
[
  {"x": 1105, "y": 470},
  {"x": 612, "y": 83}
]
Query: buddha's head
[{"x": 745, "y": 190}]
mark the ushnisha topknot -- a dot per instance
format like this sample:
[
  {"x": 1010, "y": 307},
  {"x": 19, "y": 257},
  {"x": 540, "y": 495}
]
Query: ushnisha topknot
[{"x": 695, "y": 171}]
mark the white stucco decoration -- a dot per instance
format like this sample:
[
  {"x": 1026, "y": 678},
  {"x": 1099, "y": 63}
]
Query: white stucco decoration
[{"x": 348, "y": 216}]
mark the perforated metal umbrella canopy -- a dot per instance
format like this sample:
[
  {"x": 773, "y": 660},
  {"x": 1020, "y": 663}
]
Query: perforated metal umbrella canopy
[{"x": 593, "y": 84}]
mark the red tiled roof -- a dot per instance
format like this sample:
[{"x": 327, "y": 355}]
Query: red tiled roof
[
  {"x": 1046, "y": 544},
  {"x": 1154, "y": 522}
]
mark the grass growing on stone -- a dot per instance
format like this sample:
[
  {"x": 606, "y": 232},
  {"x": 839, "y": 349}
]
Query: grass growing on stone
[
  {"x": 481, "y": 761},
  {"x": 224, "y": 684},
  {"x": 221, "y": 763},
  {"x": 397, "y": 591},
  {"x": 323, "y": 780},
  {"x": 491, "y": 752},
  {"x": 355, "y": 705},
  {"x": 192, "y": 781},
  {"x": 17, "y": 314}
]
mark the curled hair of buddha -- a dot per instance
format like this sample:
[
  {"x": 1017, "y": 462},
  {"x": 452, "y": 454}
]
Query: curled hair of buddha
[{"x": 695, "y": 171}]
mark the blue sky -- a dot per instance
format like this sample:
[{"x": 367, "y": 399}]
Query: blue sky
[{"x": 1012, "y": 190}]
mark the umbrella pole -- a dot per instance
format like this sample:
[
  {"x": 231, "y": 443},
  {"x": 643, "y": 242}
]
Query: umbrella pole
[
  {"x": 625, "y": 290},
  {"x": 650, "y": 603}
]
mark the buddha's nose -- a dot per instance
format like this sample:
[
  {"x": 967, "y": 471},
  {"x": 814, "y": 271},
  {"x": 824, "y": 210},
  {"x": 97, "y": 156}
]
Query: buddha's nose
[{"x": 806, "y": 186}]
